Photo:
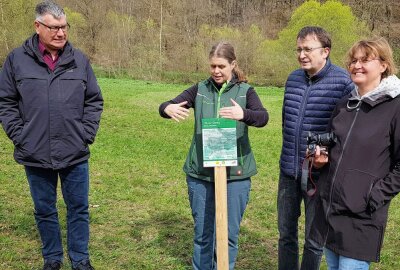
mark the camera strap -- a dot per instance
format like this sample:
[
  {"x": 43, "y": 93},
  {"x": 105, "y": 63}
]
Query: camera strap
[{"x": 306, "y": 175}]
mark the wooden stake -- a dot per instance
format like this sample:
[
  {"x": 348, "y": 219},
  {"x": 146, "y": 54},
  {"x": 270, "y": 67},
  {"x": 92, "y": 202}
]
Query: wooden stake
[{"x": 221, "y": 217}]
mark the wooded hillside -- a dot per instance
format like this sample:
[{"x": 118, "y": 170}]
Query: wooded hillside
[{"x": 170, "y": 39}]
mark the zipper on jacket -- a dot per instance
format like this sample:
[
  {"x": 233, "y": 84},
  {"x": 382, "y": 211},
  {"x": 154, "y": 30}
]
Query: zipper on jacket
[
  {"x": 336, "y": 170},
  {"x": 298, "y": 130},
  {"x": 49, "y": 82},
  {"x": 192, "y": 153},
  {"x": 241, "y": 161},
  {"x": 381, "y": 232},
  {"x": 220, "y": 91}
]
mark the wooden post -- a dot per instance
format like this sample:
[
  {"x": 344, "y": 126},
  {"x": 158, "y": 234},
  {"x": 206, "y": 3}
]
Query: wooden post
[{"x": 221, "y": 217}]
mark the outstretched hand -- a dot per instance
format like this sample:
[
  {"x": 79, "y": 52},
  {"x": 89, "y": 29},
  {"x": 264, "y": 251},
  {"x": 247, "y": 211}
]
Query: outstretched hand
[
  {"x": 177, "y": 111},
  {"x": 234, "y": 112}
]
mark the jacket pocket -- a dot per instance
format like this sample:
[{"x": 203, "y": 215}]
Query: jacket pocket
[
  {"x": 351, "y": 194},
  {"x": 84, "y": 136},
  {"x": 73, "y": 88},
  {"x": 196, "y": 161},
  {"x": 22, "y": 134},
  {"x": 33, "y": 92}
]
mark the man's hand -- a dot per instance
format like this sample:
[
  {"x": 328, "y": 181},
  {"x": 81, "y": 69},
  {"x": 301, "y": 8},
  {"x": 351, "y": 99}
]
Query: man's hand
[
  {"x": 177, "y": 111},
  {"x": 320, "y": 157},
  {"x": 234, "y": 112}
]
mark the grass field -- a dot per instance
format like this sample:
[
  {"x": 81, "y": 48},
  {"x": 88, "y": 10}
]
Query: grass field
[{"x": 140, "y": 217}]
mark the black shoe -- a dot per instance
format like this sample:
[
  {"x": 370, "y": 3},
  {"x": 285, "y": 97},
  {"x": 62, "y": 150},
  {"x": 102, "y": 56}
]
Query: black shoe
[
  {"x": 54, "y": 265},
  {"x": 84, "y": 265}
]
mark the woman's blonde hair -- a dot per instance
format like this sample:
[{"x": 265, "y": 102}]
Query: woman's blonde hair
[
  {"x": 375, "y": 47},
  {"x": 225, "y": 50}
]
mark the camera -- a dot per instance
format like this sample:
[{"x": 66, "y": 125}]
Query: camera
[{"x": 323, "y": 140}]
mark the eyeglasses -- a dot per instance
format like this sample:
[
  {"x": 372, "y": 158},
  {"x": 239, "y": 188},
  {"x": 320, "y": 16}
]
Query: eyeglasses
[
  {"x": 55, "y": 29},
  {"x": 306, "y": 50},
  {"x": 362, "y": 61}
]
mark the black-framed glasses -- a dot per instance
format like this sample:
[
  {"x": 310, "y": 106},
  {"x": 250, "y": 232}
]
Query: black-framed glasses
[
  {"x": 55, "y": 29},
  {"x": 306, "y": 50}
]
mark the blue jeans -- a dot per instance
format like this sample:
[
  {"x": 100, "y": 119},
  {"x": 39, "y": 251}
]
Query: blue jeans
[
  {"x": 75, "y": 188},
  {"x": 202, "y": 202},
  {"x": 338, "y": 262},
  {"x": 290, "y": 196}
]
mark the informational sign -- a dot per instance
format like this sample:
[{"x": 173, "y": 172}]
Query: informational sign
[{"x": 219, "y": 142}]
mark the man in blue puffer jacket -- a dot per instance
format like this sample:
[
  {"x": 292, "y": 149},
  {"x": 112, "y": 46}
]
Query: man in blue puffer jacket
[{"x": 311, "y": 93}]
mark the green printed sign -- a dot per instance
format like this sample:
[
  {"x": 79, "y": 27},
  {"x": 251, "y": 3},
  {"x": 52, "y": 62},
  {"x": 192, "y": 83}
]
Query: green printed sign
[{"x": 219, "y": 142}]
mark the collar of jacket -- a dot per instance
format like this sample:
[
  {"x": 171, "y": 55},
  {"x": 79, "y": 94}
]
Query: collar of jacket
[
  {"x": 31, "y": 46},
  {"x": 229, "y": 86},
  {"x": 388, "y": 88},
  {"x": 321, "y": 73}
]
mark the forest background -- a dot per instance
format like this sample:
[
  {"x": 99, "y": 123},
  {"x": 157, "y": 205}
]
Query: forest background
[{"x": 169, "y": 40}]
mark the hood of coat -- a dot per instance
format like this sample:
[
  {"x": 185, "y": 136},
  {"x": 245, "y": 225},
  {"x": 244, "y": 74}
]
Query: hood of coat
[
  {"x": 389, "y": 88},
  {"x": 31, "y": 46}
]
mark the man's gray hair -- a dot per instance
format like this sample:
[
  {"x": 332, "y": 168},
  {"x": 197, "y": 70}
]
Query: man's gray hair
[{"x": 49, "y": 7}]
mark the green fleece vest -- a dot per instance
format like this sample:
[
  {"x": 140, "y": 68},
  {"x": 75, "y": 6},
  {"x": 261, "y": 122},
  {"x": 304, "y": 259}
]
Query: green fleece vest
[{"x": 206, "y": 106}]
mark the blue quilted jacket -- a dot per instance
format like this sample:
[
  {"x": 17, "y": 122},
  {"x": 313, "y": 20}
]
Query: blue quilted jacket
[{"x": 307, "y": 106}]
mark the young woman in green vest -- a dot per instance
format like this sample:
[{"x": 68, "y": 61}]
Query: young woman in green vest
[{"x": 225, "y": 94}]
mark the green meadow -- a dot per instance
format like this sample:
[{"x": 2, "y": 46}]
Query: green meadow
[{"x": 139, "y": 212}]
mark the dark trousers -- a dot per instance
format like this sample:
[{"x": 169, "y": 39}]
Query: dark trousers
[
  {"x": 290, "y": 196},
  {"x": 75, "y": 188}
]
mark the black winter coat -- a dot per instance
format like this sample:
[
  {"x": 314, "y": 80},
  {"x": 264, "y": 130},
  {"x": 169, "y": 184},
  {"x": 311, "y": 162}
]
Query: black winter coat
[
  {"x": 51, "y": 117},
  {"x": 362, "y": 176}
]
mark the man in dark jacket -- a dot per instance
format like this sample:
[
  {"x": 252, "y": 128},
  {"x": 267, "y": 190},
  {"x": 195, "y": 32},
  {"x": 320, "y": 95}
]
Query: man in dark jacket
[
  {"x": 50, "y": 107},
  {"x": 311, "y": 93}
]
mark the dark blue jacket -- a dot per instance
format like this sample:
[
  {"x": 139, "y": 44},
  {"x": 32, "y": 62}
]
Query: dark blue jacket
[
  {"x": 307, "y": 106},
  {"x": 51, "y": 117}
]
